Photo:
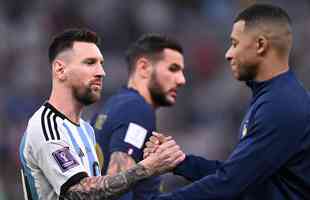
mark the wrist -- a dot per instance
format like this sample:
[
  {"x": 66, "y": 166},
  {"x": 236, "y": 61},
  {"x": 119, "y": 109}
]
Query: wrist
[
  {"x": 137, "y": 173},
  {"x": 146, "y": 164}
]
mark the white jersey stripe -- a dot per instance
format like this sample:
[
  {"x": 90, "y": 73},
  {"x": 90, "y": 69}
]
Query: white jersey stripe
[
  {"x": 27, "y": 171},
  {"x": 88, "y": 148},
  {"x": 43, "y": 123},
  {"x": 56, "y": 127},
  {"x": 88, "y": 133},
  {"x": 49, "y": 125},
  {"x": 24, "y": 185},
  {"x": 73, "y": 141}
]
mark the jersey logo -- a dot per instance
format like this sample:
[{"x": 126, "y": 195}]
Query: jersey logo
[
  {"x": 100, "y": 121},
  {"x": 135, "y": 135},
  {"x": 81, "y": 154},
  {"x": 65, "y": 159},
  {"x": 245, "y": 129}
]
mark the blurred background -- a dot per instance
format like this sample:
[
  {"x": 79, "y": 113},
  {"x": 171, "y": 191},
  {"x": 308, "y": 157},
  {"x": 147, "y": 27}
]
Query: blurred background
[{"x": 206, "y": 118}]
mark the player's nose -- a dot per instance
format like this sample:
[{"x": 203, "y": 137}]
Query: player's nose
[
  {"x": 100, "y": 71},
  {"x": 181, "y": 80},
  {"x": 228, "y": 54}
]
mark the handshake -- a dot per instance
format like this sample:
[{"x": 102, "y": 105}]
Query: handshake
[{"x": 161, "y": 154}]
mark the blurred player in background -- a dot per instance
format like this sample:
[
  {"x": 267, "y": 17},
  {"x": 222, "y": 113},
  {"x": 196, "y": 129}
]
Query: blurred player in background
[
  {"x": 57, "y": 152},
  {"x": 128, "y": 119},
  {"x": 272, "y": 159}
]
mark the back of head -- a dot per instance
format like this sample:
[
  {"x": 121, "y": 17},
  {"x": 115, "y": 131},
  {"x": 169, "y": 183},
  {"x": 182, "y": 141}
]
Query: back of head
[
  {"x": 151, "y": 47},
  {"x": 64, "y": 41},
  {"x": 270, "y": 21}
]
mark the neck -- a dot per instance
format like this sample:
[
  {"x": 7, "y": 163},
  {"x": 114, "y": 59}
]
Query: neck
[
  {"x": 271, "y": 68},
  {"x": 141, "y": 87},
  {"x": 64, "y": 102}
]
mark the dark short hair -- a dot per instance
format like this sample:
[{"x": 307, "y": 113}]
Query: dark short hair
[
  {"x": 65, "y": 40},
  {"x": 260, "y": 13},
  {"x": 151, "y": 46},
  {"x": 275, "y": 19}
]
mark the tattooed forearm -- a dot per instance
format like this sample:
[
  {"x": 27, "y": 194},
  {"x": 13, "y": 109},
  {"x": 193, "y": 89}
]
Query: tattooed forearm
[
  {"x": 107, "y": 187},
  {"x": 120, "y": 161}
]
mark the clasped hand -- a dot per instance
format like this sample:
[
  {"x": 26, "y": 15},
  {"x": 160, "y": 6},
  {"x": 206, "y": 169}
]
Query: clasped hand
[{"x": 161, "y": 154}]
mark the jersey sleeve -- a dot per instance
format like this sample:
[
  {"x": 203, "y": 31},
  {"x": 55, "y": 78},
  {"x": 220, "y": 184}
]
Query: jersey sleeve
[
  {"x": 135, "y": 126},
  {"x": 267, "y": 146},
  {"x": 202, "y": 166},
  {"x": 130, "y": 138},
  {"x": 57, "y": 160}
]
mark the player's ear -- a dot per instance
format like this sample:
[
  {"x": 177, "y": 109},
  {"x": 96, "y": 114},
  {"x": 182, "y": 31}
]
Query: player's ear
[
  {"x": 143, "y": 67},
  {"x": 262, "y": 44},
  {"x": 58, "y": 67}
]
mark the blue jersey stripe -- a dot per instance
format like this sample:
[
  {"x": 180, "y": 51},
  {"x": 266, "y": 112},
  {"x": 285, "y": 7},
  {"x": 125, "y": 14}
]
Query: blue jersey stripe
[
  {"x": 91, "y": 133},
  {"x": 27, "y": 171},
  {"x": 75, "y": 144},
  {"x": 89, "y": 147}
]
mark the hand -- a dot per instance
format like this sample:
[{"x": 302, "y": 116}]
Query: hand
[
  {"x": 155, "y": 140},
  {"x": 166, "y": 157}
]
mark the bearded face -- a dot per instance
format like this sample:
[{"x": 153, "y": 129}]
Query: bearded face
[
  {"x": 158, "y": 94},
  {"x": 166, "y": 78},
  {"x": 86, "y": 95}
]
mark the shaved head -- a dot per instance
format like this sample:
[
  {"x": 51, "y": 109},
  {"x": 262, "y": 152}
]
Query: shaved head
[{"x": 270, "y": 22}]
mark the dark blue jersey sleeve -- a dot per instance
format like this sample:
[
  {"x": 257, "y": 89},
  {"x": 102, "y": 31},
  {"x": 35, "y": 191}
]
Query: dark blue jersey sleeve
[
  {"x": 127, "y": 196},
  {"x": 124, "y": 124},
  {"x": 195, "y": 167},
  {"x": 117, "y": 144},
  {"x": 271, "y": 140},
  {"x": 135, "y": 124}
]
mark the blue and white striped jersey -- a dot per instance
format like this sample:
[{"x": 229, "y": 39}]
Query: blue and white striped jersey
[{"x": 56, "y": 153}]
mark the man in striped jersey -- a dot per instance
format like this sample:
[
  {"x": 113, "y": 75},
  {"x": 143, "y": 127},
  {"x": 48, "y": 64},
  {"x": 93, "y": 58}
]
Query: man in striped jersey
[{"x": 57, "y": 151}]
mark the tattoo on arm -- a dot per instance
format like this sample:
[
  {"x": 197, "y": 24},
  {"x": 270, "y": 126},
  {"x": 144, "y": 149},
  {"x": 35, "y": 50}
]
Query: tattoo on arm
[
  {"x": 119, "y": 162},
  {"x": 106, "y": 187}
]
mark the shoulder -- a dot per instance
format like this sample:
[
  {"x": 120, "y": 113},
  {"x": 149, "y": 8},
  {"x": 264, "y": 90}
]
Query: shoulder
[
  {"x": 125, "y": 97},
  {"x": 282, "y": 111},
  {"x": 44, "y": 125},
  {"x": 127, "y": 105},
  {"x": 284, "y": 95}
]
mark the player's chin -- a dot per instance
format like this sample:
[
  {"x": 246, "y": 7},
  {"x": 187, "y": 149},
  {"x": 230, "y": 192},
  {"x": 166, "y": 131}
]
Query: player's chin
[
  {"x": 236, "y": 75},
  {"x": 171, "y": 100},
  {"x": 96, "y": 95}
]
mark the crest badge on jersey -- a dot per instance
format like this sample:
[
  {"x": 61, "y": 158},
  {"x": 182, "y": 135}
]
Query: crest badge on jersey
[
  {"x": 245, "y": 129},
  {"x": 65, "y": 159},
  {"x": 101, "y": 118}
]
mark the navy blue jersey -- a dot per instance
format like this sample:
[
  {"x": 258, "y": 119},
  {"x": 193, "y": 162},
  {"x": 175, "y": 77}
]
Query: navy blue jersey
[
  {"x": 271, "y": 160},
  {"x": 124, "y": 124}
]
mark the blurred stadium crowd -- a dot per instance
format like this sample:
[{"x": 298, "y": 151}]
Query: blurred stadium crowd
[{"x": 206, "y": 118}]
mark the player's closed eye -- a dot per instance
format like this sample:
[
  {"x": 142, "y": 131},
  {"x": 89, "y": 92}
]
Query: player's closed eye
[
  {"x": 90, "y": 61},
  {"x": 234, "y": 43},
  {"x": 174, "y": 67}
]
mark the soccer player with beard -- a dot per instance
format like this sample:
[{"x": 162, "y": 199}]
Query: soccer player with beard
[
  {"x": 57, "y": 151},
  {"x": 128, "y": 118}
]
